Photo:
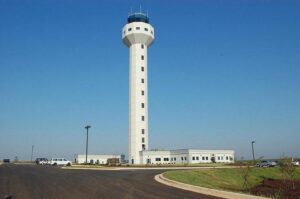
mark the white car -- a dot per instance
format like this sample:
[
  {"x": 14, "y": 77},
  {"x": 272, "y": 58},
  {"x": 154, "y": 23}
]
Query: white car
[
  {"x": 296, "y": 163},
  {"x": 60, "y": 162}
]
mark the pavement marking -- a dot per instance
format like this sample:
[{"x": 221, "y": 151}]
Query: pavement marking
[{"x": 206, "y": 191}]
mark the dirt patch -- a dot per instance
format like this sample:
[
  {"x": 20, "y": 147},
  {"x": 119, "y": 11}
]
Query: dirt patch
[{"x": 278, "y": 189}]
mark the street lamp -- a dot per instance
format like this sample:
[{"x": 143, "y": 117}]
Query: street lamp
[
  {"x": 32, "y": 152},
  {"x": 87, "y": 141},
  {"x": 253, "y": 151}
]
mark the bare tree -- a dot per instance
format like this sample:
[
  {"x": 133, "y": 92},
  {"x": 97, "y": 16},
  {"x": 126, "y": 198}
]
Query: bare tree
[{"x": 245, "y": 173}]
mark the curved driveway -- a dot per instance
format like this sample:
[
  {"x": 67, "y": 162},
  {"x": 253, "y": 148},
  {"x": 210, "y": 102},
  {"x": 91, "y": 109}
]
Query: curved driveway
[{"x": 46, "y": 182}]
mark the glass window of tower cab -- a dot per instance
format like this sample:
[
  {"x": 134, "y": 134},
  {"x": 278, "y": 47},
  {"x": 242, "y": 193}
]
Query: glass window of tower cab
[{"x": 138, "y": 17}]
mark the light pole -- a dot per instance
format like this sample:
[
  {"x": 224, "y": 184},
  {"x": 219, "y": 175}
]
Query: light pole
[
  {"x": 32, "y": 152},
  {"x": 252, "y": 143},
  {"x": 87, "y": 141}
]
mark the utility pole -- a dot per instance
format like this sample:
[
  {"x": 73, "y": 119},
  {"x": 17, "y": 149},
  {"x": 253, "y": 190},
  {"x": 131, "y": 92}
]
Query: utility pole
[
  {"x": 87, "y": 142},
  {"x": 252, "y": 143},
  {"x": 32, "y": 152}
]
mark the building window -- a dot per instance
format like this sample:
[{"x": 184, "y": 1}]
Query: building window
[
  {"x": 143, "y": 140},
  {"x": 143, "y": 80},
  {"x": 142, "y": 46},
  {"x": 143, "y": 92},
  {"x": 151, "y": 32},
  {"x": 129, "y": 29},
  {"x": 137, "y": 28},
  {"x": 174, "y": 159},
  {"x": 143, "y": 105},
  {"x": 143, "y": 131},
  {"x": 142, "y": 57},
  {"x": 181, "y": 158},
  {"x": 203, "y": 158},
  {"x": 157, "y": 159},
  {"x": 143, "y": 118},
  {"x": 166, "y": 159},
  {"x": 184, "y": 158},
  {"x": 197, "y": 158},
  {"x": 193, "y": 158},
  {"x": 142, "y": 68},
  {"x": 146, "y": 29},
  {"x": 143, "y": 146},
  {"x": 206, "y": 158}
]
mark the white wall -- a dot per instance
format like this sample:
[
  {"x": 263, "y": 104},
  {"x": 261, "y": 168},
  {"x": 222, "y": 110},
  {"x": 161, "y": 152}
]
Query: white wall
[
  {"x": 94, "y": 158},
  {"x": 190, "y": 156}
]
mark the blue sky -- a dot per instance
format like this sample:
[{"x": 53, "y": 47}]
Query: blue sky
[{"x": 221, "y": 74}]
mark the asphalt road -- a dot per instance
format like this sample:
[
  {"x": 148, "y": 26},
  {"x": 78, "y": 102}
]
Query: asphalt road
[{"x": 47, "y": 182}]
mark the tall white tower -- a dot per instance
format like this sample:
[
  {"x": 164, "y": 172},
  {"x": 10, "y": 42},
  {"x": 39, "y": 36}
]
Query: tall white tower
[{"x": 138, "y": 35}]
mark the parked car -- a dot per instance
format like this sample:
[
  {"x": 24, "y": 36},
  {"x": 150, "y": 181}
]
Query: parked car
[
  {"x": 60, "y": 162},
  {"x": 266, "y": 163},
  {"x": 6, "y": 160},
  {"x": 296, "y": 163},
  {"x": 42, "y": 161}
]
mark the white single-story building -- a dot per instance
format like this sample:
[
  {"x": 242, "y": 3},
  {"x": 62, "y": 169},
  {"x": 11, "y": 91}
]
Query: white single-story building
[
  {"x": 186, "y": 156},
  {"x": 97, "y": 159}
]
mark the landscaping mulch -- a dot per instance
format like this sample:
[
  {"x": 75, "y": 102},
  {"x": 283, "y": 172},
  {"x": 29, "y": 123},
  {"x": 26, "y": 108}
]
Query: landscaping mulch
[{"x": 277, "y": 189}]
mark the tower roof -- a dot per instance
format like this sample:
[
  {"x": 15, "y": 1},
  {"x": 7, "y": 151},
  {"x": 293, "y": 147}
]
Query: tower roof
[{"x": 138, "y": 17}]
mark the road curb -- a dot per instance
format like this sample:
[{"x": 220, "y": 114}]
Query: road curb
[
  {"x": 143, "y": 168},
  {"x": 206, "y": 191}
]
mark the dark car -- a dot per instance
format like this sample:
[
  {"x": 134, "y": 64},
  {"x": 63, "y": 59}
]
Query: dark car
[
  {"x": 6, "y": 160},
  {"x": 42, "y": 161},
  {"x": 266, "y": 163}
]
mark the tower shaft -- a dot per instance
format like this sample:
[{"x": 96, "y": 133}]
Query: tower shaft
[{"x": 138, "y": 102}]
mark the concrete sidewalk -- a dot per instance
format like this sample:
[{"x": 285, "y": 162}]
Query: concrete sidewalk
[{"x": 213, "y": 192}]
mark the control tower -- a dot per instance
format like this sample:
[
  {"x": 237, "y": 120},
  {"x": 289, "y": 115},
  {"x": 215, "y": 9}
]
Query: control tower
[{"x": 138, "y": 35}]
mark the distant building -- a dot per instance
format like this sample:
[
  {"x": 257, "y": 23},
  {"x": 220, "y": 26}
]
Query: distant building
[
  {"x": 97, "y": 159},
  {"x": 186, "y": 156}
]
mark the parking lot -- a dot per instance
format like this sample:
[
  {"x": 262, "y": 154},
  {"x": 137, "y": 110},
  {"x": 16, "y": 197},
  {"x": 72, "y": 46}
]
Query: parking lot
[{"x": 47, "y": 182}]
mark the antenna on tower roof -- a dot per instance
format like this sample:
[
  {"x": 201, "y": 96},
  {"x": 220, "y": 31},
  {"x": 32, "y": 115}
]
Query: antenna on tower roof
[{"x": 140, "y": 8}]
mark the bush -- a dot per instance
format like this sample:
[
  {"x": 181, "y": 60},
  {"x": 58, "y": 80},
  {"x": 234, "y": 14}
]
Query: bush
[{"x": 288, "y": 169}]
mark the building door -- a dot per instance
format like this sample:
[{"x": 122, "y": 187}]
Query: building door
[
  {"x": 213, "y": 159},
  {"x": 148, "y": 161}
]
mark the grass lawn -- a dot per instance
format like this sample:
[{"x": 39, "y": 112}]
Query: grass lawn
[{"x": 227, "y": 178}]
